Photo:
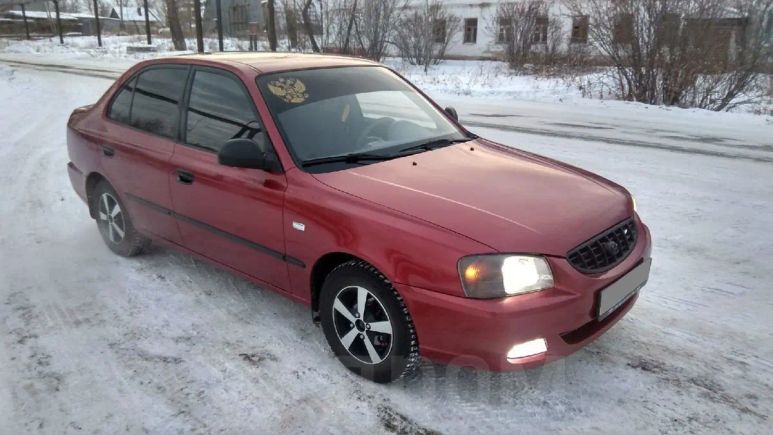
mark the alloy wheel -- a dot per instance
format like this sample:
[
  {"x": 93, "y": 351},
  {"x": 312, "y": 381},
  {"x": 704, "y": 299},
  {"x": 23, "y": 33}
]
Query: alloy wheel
[
  {"x": 111, "y": 218},
  {"x": 362, "y": 325}
]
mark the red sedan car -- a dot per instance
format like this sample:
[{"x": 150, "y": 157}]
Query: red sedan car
[{"x": 339, "y": 184}]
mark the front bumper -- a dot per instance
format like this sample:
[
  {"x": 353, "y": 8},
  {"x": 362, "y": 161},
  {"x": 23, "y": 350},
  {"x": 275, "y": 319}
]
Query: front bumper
[{"x": 479, "y": 333}]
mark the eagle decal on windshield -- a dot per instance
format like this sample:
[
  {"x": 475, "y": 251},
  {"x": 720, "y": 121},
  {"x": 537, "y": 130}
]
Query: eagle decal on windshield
[{"x": 289, "y": 90}]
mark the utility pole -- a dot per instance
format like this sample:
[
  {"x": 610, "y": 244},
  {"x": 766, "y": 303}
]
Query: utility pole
[
  {"x": 271, "y": 25},
  {"x": 147, "y": 20},
  {"x": 219, "y": 26},
  {"x": 120, "y": 10},
  {"x": 26, "y": 25},
  {"x": 96, "y": 20},
  {"x": 59, "y": 22}
]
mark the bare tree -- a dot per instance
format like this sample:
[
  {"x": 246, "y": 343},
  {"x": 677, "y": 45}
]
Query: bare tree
[
  {"x": 362, "y": 27},
  {"x": 75, "y": 6},
  {"x": 271, "y": 24},
  {"x": 338, "y": 18},
  {"x": 290, "y": 29},
  {"x": 350, "y": 26},
  {"x": 733, "y": 52},
  {"x": 422, "y": 35},
  {"x": 527, "y": 32},
  {"x": 375, "y": 24},
  {"x": 104, "y": 7},
  {"x": 309, "y": 26},
  {"x": 331, "y": 12},
  {"x": 175, "y": 29},
  {"x": 690, "y": 53}
]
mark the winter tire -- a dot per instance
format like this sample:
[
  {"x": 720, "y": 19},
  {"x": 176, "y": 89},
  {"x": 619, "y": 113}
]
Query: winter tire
[
  {"x": 367, "y": 323},
  {"x": 114, "y": 222}
]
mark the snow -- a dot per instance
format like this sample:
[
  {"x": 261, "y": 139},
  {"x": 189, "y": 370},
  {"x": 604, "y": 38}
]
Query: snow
[
  {"x": 130, "y": 13},
  {"x": 40, "y": 15},
  {"x": 84, "y": 49},
  {"x": 164, "y": 343},
  {"x": 493, "y": 80},
  {"x": 484, "y": 79}
]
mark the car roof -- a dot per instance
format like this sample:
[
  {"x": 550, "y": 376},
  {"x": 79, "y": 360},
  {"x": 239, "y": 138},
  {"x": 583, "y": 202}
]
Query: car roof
[{"x": 276, "y": 62}]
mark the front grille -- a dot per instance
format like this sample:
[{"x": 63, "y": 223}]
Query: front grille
[{"x": 606, "y": 250}]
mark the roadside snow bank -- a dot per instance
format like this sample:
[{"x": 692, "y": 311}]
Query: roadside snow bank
[{"x": 491, "y": 80}]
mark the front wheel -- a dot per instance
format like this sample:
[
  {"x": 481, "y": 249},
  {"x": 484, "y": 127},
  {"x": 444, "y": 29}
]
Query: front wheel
[
  {"x": 367, "y": 323},
  {"x": 114, "y": 223}
]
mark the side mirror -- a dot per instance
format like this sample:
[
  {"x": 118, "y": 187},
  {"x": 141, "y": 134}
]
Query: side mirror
[
  {"x": 452, "y": 112},
  {"x": 244, "y": 153}
]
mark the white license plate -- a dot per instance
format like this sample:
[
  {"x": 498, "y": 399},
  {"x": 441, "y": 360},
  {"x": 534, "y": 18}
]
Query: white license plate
[{"x": 622, "y": 289}]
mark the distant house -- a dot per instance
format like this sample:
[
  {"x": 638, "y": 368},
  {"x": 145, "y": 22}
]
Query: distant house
[
  {"x": 131, "y": 19},
  {"x": 481, "y": 35},
  {"x": 44, "y": 21},
  {"x": 39, "y": 23},
  {"x": 133, "y": 16}
]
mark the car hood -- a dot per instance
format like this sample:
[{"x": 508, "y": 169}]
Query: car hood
[{"x": 510, "y": 200}]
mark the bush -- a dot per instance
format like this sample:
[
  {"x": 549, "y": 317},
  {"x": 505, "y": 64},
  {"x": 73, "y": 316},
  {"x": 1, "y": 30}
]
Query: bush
[{"x": 689, "y": 53}]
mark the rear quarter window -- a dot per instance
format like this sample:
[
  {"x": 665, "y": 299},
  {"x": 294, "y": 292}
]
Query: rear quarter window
[{"x": 120, "y": 109}]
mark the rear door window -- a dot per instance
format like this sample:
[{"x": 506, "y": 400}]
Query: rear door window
[
  {"x": 220, "y": 109},
  {"x": 157, "y": 96}
]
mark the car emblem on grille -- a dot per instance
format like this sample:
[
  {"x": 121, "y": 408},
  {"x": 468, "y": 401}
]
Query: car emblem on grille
[{"x": 611, "y": 248}]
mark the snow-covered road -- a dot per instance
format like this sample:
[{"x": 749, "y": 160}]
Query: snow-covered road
[{"x": 164, "y": 343}]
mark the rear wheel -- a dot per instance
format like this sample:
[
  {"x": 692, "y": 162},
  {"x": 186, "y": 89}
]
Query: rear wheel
[
  {"x": 367, "y": 323},
  {"x": 114, "y": 223}
]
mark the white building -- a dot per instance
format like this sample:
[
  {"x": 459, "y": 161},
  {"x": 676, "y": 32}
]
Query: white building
[{"x": 480, "y": 35}]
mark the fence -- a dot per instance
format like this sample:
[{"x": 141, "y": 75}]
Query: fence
[{"x": 213, "y": 24}]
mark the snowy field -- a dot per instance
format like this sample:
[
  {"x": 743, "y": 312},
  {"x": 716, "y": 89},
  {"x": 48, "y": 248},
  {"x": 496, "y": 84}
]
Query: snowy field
[{"x": 163, "y": 343}]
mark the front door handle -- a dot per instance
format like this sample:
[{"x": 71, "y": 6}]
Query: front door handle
[
  {"x": 184, "y": 177},
  {"x": 107, "y": 151}
]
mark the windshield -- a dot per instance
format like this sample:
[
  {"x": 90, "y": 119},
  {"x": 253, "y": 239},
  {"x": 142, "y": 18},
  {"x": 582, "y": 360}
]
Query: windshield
[{"x": 342, "y": 112}]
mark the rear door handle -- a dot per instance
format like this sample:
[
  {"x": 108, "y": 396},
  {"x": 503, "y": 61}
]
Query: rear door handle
[
  {"x": 106, "y": 150},
  {"x": 184, "y": 177}
]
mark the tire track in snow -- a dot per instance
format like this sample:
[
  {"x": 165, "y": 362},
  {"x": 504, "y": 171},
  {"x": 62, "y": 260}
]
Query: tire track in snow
[
  {"x": 615, "y": 141},
  {"x": 67, "y": 69},
  {"x": 41, "y": 380}
]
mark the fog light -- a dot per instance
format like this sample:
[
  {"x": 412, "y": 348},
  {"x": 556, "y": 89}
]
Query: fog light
[{"x": 528, "y": 348}]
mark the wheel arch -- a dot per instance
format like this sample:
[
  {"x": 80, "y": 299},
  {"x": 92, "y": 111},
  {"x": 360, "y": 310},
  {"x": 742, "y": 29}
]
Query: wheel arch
[
  {"x": 322, "y": 268},
  {"x": 91, "y": 183}
]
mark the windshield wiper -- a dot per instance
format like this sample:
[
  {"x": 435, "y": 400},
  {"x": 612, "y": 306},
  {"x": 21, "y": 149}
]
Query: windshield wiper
[
  {"x": 434, "y": 144},
  {"x": 347, "y": 158},
  {"x": 365, "y": 157}
]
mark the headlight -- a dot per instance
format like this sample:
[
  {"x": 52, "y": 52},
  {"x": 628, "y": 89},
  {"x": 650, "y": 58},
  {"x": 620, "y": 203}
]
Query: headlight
[
  {"x": 635, "y": 209},
  {"x": 496, "y": 276}
]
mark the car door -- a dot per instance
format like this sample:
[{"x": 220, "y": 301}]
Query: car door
[
  {"x": 231, "y": 215},
  {"x": 141, "y": 130}
]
